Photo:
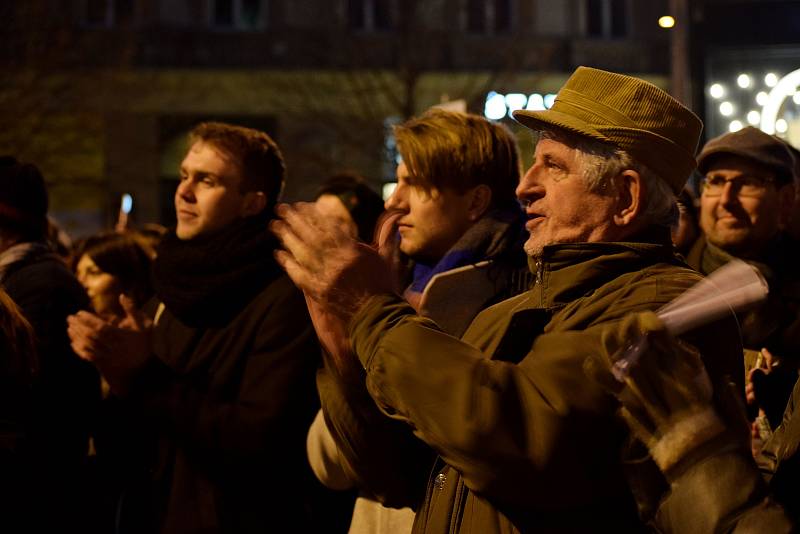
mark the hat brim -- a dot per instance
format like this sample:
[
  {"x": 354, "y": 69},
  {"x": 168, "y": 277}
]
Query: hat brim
[{"x": 550, "y": 118}]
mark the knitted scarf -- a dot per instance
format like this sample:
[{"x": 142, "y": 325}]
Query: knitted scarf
[{"x": 207, "y": 280}]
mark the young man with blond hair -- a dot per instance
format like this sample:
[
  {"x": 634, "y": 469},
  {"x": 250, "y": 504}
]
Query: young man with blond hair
[
  {"x": 223, "y": 371},
  {"x": 457, "y": 237}
]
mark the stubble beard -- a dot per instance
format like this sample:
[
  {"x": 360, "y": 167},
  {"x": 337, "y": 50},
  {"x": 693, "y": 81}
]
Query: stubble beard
[{"x": 533, "y": 250}]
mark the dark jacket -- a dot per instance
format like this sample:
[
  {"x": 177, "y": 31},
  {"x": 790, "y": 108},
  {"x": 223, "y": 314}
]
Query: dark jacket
[
  {"x": 779, "y": 459},
  {"x": 526, "y": 441},
  {"x": 776, "y": 323},
  {"x": 66, "y": 389},
  {"x": 231, "y": 406}
]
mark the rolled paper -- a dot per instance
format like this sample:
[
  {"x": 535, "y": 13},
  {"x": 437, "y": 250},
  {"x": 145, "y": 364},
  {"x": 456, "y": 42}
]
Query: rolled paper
[{"x": 734, "y": 287}]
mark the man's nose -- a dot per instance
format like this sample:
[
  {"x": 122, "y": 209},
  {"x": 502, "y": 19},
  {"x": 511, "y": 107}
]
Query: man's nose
[
  {"x": 397, "y": 200},
  {"x": 529, "y": 187},
  {"x": 729, "y": 194},
  {"x": 185, "y": 190}
]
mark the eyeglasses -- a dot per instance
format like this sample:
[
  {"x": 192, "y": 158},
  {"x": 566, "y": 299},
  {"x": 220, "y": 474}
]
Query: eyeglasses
[{"x": 746, "y": 185}]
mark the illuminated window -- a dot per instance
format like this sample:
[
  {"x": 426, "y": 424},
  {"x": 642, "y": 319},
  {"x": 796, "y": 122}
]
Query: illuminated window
[
  {"x": 109, "y": 13},
  {"x": 370, "y": 14},
  {"x": 606, "y": 18},
  {"x": 488, "y": 16},
  {"x": 238, "y": 14}
]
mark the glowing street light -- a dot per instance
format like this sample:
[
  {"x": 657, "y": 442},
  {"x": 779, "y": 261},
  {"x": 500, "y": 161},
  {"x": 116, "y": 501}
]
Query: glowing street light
[
  {"x": 495, "y": 107},
  {"x": 744, "y": 81},
  {"x": 771, "y": 79},
  {"x": 785, "y": 88},
  {"x": 726, "y": 108},
  {"x": 666, "y": 21}
]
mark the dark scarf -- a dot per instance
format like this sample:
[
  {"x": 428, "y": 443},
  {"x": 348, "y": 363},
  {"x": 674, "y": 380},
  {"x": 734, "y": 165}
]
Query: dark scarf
[
  {"x": 498, "y": 232},
  {"x": 206, "y": 281}
]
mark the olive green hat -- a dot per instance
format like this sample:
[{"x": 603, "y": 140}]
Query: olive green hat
[{"x": 629, "y": 114}]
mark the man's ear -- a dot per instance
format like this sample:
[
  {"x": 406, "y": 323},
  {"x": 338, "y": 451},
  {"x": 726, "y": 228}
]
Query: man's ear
[
  {"x": 630, "y": 190},
  {"x": 481, "y": 199},
  {"x": 254, "y": 203}
]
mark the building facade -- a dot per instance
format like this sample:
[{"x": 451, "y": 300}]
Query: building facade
[{"x": 101, "y": 93}]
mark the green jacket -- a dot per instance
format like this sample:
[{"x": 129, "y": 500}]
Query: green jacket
[{"x": 526, "y": 441}]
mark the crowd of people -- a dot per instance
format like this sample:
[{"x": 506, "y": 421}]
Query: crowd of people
[{"x": 441, "y": 362}]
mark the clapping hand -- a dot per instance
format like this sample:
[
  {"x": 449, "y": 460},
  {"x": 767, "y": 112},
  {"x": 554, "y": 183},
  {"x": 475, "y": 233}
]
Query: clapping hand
[{"x": 117, "y": 348}]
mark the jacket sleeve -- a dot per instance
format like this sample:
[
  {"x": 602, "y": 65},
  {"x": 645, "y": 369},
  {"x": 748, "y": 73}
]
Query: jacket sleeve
[
  {"x": 781, "y": 440},
  {"x": 535, "y": 417},
  {"x": 722, "y": 493},
  {"x": 260, "y": 415},
  {"x": 779, "y": 461},
  {"x": 494, "y": 421},
  {"x": 380, "y": 455}
]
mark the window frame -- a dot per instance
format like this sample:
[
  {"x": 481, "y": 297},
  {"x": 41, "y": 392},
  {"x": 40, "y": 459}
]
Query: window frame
[{"x": 237, "y": 22}]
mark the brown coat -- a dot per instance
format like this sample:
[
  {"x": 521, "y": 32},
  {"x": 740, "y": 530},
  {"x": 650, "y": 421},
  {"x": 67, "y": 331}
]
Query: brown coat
[
  {"x": 230, "y": 406},
  {"x": 526, "y": 441}
]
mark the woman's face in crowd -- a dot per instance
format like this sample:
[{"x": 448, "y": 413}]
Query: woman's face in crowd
[
  {"x": 332, "y": 206},
  {"x": 103, "y": 288}
]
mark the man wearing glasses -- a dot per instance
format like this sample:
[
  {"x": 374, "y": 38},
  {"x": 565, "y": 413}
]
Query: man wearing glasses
[{"x": 746, "y": 201}]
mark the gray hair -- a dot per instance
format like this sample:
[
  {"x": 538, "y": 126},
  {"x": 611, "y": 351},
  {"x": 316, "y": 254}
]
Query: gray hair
[{"x": 602, "y": 163}]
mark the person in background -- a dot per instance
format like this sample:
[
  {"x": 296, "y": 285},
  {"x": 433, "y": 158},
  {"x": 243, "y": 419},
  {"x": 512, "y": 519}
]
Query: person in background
[
  {"x": 151, "y": 234},
  {"x": 457, "y": 241},
  {"x": 747, "y": 192},
  {"x": 112, "y": 265},
  {"x": 525, "y": 441},
  {"x": 66, "y": 389},
  {"x": 221, "y": 364},
  {"x": 58, "y": 239},
  {"x": 18, "y": 365},
  {"x": 351, "y": 203},
  {"x": 347, "y": 198},
  {"x": 686, "y": 231},
  {"x": 793, "y": 225}
]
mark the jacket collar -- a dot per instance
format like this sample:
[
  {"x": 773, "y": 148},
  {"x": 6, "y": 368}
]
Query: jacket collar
[{"x": 571, "y": 270}]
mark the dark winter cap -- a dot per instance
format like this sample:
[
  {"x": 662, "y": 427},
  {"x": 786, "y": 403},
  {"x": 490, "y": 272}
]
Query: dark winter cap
[
  {"x": 629, "y": 114},
  {"x": 752, "y": 144},
  {"x": 23, "y": 198}
]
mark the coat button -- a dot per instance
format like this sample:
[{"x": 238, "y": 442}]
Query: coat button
[{"x": 441, "y": 478}]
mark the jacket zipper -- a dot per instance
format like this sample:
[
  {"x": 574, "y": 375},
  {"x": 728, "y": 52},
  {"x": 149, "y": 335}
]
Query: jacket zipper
[{"x": 539, "y": 278}]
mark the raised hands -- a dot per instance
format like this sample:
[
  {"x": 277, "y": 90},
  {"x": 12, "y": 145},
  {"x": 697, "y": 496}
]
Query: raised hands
[
  {"x": 336, "y": 273},
  {"x": 117, "y": 348}
]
